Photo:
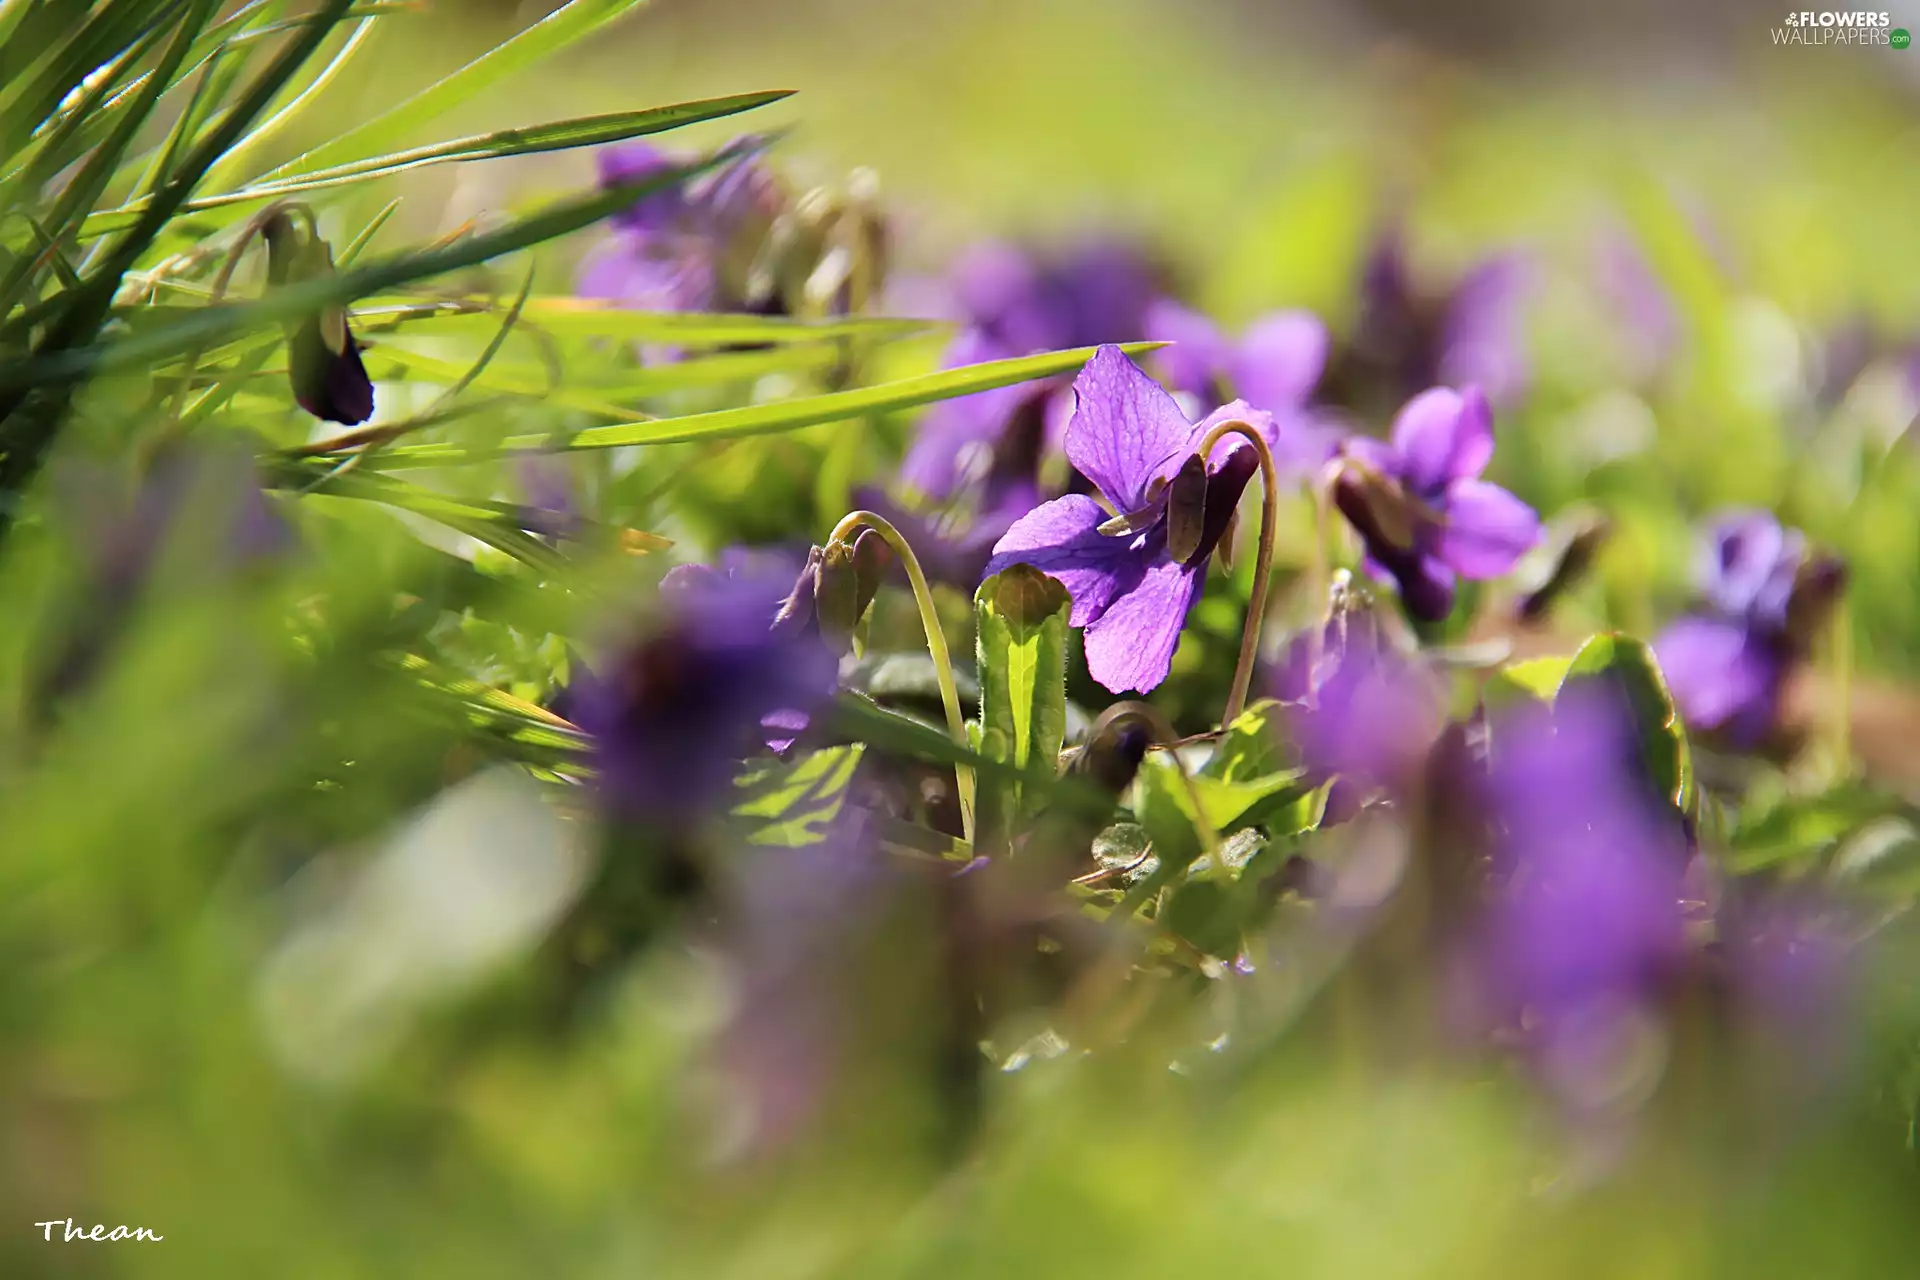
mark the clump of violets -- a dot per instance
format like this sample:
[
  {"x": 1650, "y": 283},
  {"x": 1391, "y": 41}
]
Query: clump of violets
[
  {"x": 675, "y": 711},
  {"x": 1410, "y": 334},
  {"x": 1584, "y": 936},
  {"x": 1420, "y": 507},
  {"x": 1764, "y": 594},
  {"x": 1135, "y": 566}
]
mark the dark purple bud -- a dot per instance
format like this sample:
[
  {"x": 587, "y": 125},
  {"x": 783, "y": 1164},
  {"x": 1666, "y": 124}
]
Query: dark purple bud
[
  {"x": 1114, "y": 750},
  {"x": 1379, "y": 511},
  {"x": 329, "y": 379}
]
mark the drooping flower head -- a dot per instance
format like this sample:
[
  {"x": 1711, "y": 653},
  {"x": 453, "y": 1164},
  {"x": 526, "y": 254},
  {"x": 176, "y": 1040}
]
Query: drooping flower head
[
  {"x": 323, "y": 357},
  {"x": 1133, "y": 575},
  {"x": 1274, "y": 365},
  {"x": 1763, "y": 594},
  {"x": 677, "y": 709},
  {"x": 1421, "y": 508}
]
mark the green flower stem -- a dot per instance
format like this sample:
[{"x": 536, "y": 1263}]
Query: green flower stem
[
  {"x": 936, "y": 646},
  {"x": 1262, "y": 565}
]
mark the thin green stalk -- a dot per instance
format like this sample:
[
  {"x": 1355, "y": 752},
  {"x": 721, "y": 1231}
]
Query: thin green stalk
[
  {"x": 1262, "y": 566},
  {"x": 936, "y": 645}
]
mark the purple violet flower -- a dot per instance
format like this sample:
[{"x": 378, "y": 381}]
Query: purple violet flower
[
  {"x": 1421, "y": 508},
  {"x": 1130, "y": 591},
  {"x": 675, "y": 712},
  {"x": 1097, "y": 292},
  {"x": 1728, "y": 662}
]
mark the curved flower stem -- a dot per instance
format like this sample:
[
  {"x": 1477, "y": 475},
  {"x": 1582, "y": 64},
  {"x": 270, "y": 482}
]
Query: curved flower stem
[
  {"x": 936, "y": 646},
  {"x": 1262, "y": 565}
]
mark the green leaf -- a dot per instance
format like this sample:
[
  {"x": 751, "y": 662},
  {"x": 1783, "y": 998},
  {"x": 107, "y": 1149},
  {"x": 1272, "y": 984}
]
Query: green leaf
[
  {"x": 1020, "y": 621},
  {"x": 1628, "y": 667},
  {"x": 1250, "y": 781},
  {"x": 1535, "y": 678},
  {"x": 796, "y": 800},
  {"x": 585, "y": 131},
  {"x": 564, "y": 26},
  {"x": 786, "y": 415}
]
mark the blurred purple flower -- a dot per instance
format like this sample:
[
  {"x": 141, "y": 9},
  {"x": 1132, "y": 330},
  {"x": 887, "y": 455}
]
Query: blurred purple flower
[
  {"x": 1095, "y": 293},
  {"x": 676, "y": 711},
  {"x": 1274, "y": 366},
  {"x": 1012, "y": 304},
  {"x": 1727, "y": 663},
  {"x": 1407, "y": 337},
  {"x": 1130, "y": 592},
  {"x": 1421, "y": 508},
  {"x": 688, "y": 247},
  {"x": 793, "y": 935},
  {"x": 1364, "y": 712},
  {"x": 1640, "y": 300},
  {"x": 1586, "y": 935}
]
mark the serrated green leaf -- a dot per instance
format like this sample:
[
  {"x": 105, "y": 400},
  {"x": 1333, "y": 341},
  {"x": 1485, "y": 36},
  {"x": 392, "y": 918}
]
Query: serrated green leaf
[{"x": 1020, "y": 621}]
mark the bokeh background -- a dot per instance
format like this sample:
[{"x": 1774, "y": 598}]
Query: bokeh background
[{"x": 319, "y": 1065}]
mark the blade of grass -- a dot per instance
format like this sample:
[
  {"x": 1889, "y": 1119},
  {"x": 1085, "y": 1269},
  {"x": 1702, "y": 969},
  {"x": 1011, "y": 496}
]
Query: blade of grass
[
  {"x": 786, "y": 415},
  {"x": 564, "y": 26},
  {"x": 560, "y": 135}
]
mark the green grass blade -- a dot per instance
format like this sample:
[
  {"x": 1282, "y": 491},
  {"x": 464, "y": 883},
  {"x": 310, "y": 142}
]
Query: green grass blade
[
  {"x": 787, "y": 415},
  {"x": 585, "y": 131},
  {"x": 566, "y": 25}
]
